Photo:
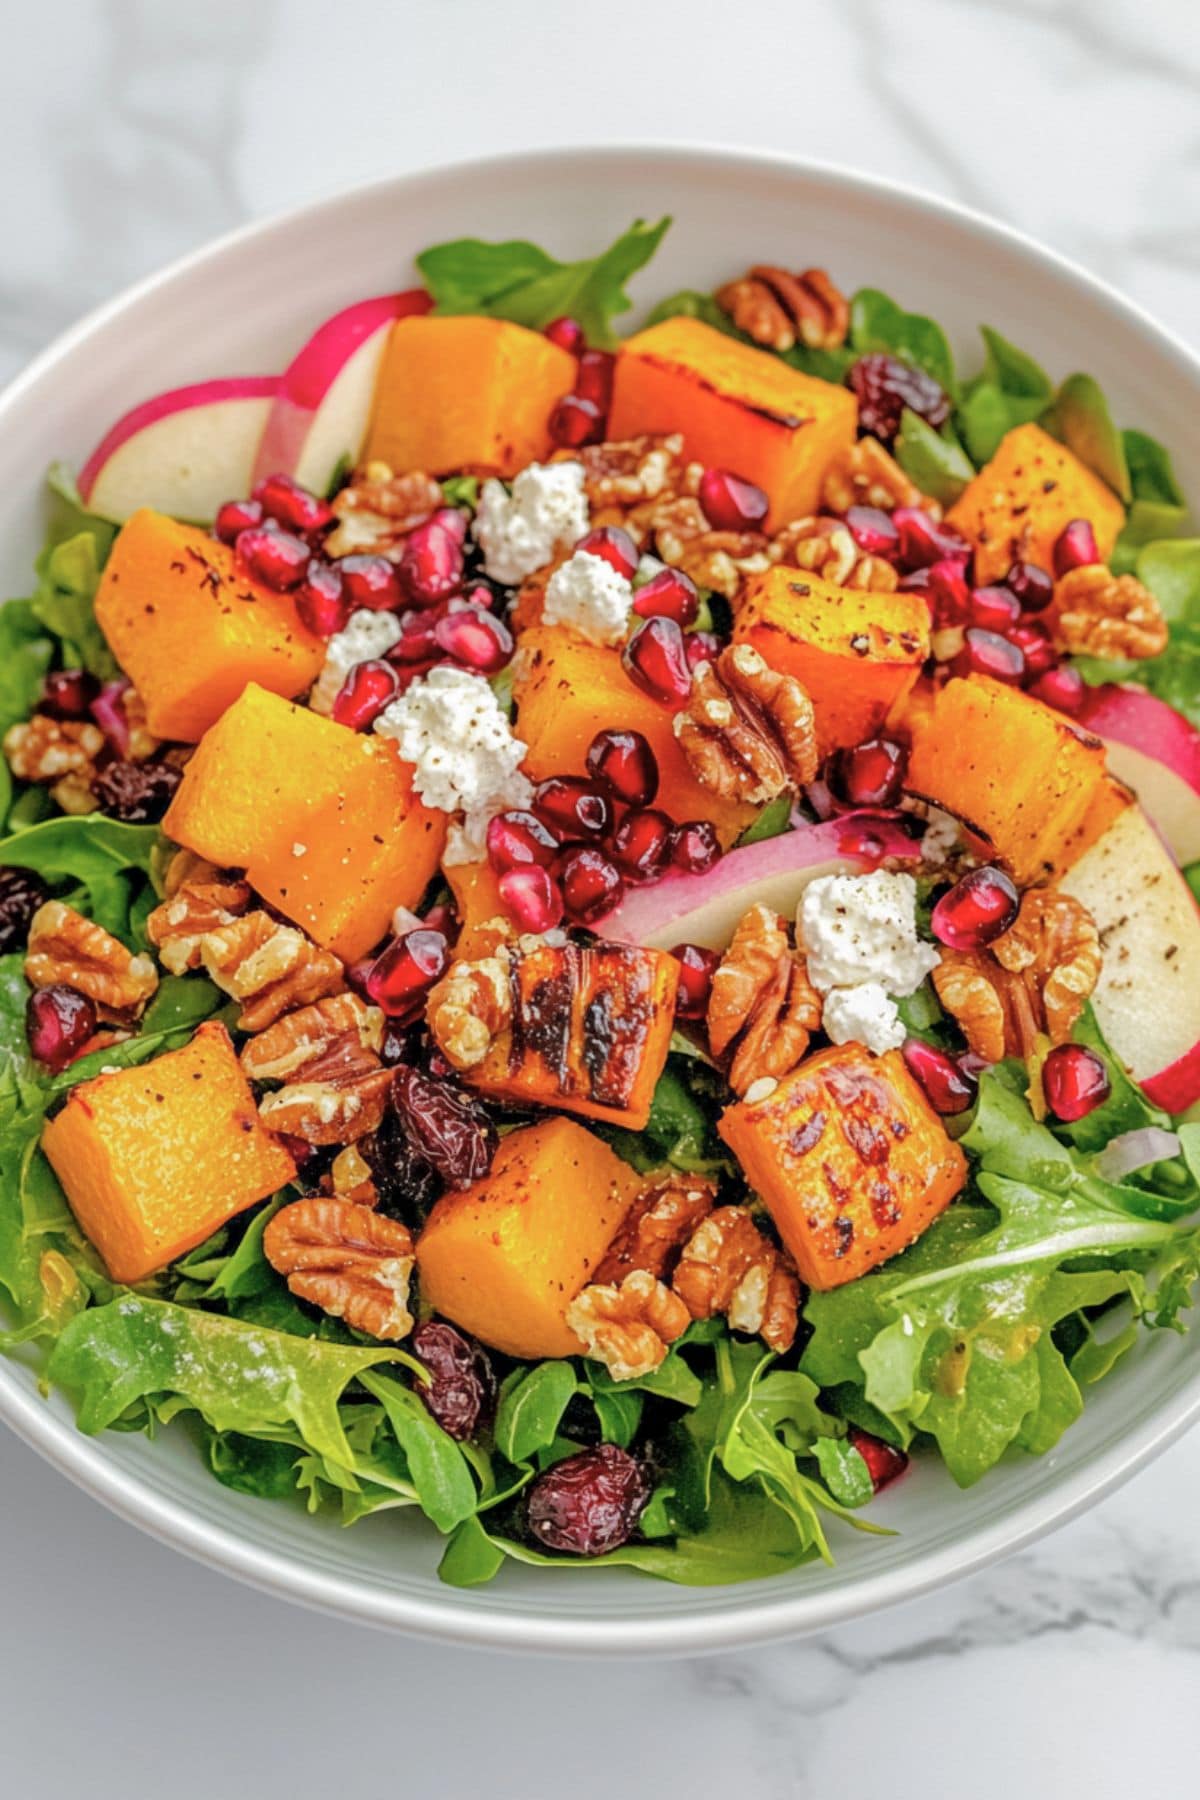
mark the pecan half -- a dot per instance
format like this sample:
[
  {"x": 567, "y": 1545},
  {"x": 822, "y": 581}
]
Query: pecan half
[
  {"x": 825, "y": 547},
  {"x": 656, "y": 1228},
  {"x": 66, "y": 948},
  {"x": 470, "y": 1008},
  {"x": 178, "y": 926},
  {"x": 1034, "y": 978},
  {"x": 778, "y": 310},
  {"x": 327, "y": 1056},
  {"x": 378, "y": 509},
  {"x": 762, "y": 997},
  {"x": 748, "y": 731},
  {"x": 1097, "y": 613},
  {"x": 268, "y": 967},
  {"x": 353, "y": 1263},
  {"x": 728, "y": 1266},
  {"x": 43, "y": 749},
  {"x": 865, "y": 474},
  {"x": 628, "y": 1327}
]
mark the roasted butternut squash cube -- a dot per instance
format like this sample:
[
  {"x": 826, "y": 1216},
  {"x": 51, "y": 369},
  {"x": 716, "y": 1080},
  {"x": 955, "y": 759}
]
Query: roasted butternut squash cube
[
  {"x": 191, "y": 631},
  {"x": 505, "y": 1258},
  {"x": 1019, "y": 502},
  {"x": 590, "y": 1031},
  {"x": 323, "y": 820},
  {"x": 850, "y": 1158},
  {"x": 737, "y": 407},
  {"x": 455, "y": 393},
  {"x": 1020, "y": 776},
  {"x": 568, "y": 690},
  {"x": 153, "y": 1159},
  {"x": 482, "y": 915},
  {"x": 857, "y": 655}
]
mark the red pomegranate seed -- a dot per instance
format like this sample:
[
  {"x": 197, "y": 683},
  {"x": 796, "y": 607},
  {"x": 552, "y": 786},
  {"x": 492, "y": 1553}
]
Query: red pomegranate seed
[
  {"x": 574, "y": 809},
  {"x": 235, "y": 517},
  {"x": 1035, "y": 645},
  {"x": 614, "y": 546},
  {"x": 532, "y": 898},
  {"x": 576, "y": 422},
  {"x": 404, "y": 972},
  {"x": 873, "y": 530},
  {"x": 566, "y": 333},
  {"x": 431, "y": 568},
  {"x": 701, "y": 646},
  {"x": 668, "y": 595},
  {"x": 108, "y": 710},
  {"x": 68, "y": 693},
  {"x": 591, "y": 884},
  {"x": 870, "y": 774},
  {"x": 947, "y": 1086},
  {"x": 594, "y": 381},
  {"x": 731, "y": 504},
  {"x": 516, "y": 839},
  {"x": 1075, "y": 1081},
  {"x": 1075, "y": 547},
  {"x": 1063, "y": 688},
  {"x": 453, "y": 520},
  {"x": 994, "y": 609},
  {"x": 367, "y": 689},
  {"x": 641, "y": 844},
  {"x": 697, "y": 966},
  {"x": 655, "y": 657},
  {"x": 481, "y": 594},
  {"x": 884, "y": 1462},
  {"x": 1032, "y": 586},
  {"x": 58, "y": 1023},
  {"x": 695, "y": 846},
  {"x": 623, "y": 762},
  {"x": 321, "y": 599},
  {"x": 474, "y": 639},
  {"x": 984, "y": 653},
  {"x": 976, "y": 909},
  {"x": 946, "y": 589},
  {"x": 417, "y": 642},
  {"x": 924, "y": 541},
  {"x": 277, "y": 559},
  {"x": 371, "y": 582},
  {"x": 292, "y": 506}
]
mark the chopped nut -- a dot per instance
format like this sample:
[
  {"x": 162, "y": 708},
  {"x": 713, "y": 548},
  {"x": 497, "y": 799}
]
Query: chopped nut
[
  {"x": 327, "y": 1055},
  {"x": 268, "y": 967},
  {"x": 353, "y": 1263},
  {"x": 350, "y": 1177},
  {"x": 178, "y": 926},
  {"x": 656, "y": 1228},
  {"x": 66, "y": 948},
  {"x": 46, "y": 749},
  {"x": 777, "y": 309},
  {"x": 1097, "y": 613},
  {"x": 681, "y": 535},
  {"x": 378, "y": 509},
  {"x": 729, "y": 1267},
  {"x": 623, "y": 474},
  {"x": 748, "y": 731},
  {"x": 866, "y": 475},
  {"x": 74, "y": 794},
  {"x": 142, "y": 741},
  {"x": 628, "y": 1328},
  {"x": 1034, "y": 978},
  {"x": 470, "y": 1007},
  {"x": 825, "y": 547},
  {"x": 761, "y": 995},
  {"x": 186, "y": 866}
]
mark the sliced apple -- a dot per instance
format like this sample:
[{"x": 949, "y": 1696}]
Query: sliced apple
[
  {"x": 321, "y": 411},
  {"x": 1147, "y": 1000},
  {"x": 181, "y": 453},
  {"x": 1155, "y": 750}
]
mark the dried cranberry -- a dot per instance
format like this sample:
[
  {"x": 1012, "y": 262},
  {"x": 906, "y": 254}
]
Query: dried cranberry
[
  {"x": 641, "y": 844},
  {"x": 461, "y": 1390},
  {"x": 870, "y": 774},
  {"x": 695, "y": 846},
  {"x": 21, "y": 893},
  {"x": 371, "y": 582},
  {"x": 884, "y": 1462},
  {"x": 1075, "y": 547},
  {"x": 1063, "y": 688},
  {"x": 575, "y": 422},
  {"x": 656, "y": 659},
  {"x": 668, "y": 595},
  {"x": 58, "y": 1023},
  {"x": 594, "y": 380},
  {"x": 624, "y": 762},
  {"x": 366, "y": 691},
  {"x": 406, "y": 1182},
  {"x": 444, "y": 1125},
  {"x": 613, "y": 546},
  {"x": 1032, "y": 586},
  {"x": 1036, "y": 646},
  {"x": 575, "y": 810},
  {"x": 321, "y": 599},
  {"x": 976, "y": 909},
  {"x": 591, "y": 884},
  {"x": 292, "y": 506},
  {"x": 994, "y": 609},
  {"x": 68, "y": 693},
  {"x": 588, "y": 1504},
  {"x": 234, "y": 517},
  {"x": 403, "y": 973},
  {"x": 947, "y": 1086},
  {"x": 566, "y": 333},
  {"x": 277, "y": 559},
  {"x": 517, "y": 839},
  {"x": 924, "y": 540},
  {"x": 986, "y": 653},
  {"x": 532, "y": 898},
  {"x": 431, "y": 568},
  {"x": 873, "y": 530},
  {"x": 885, "y": 386},
  {"x": 1075, "y": 1081},
  {"x": 731, "y": 504},
  {"x": 697, "y": 966},
  {"x": 136, "y": 793},
  {"x": 475, "y": 640}
]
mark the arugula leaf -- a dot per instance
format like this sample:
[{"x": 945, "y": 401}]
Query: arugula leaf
[
  {"x": 1170, "y": 568},
  {"x": 681, "y": 1131},
  {"x": 877, "y": 323},
  {"x": 440, "y": 1472},
  {"x": 64, "y": 602},
  {"x": 844, "y": 1472},
  {"x": 520, "y": 281},
  {"x": 1080, "y": 416},
  {"x": 94, "y": 852},
  {"x": 25, "y": 655},
  {"x": 532, "y": 1403},
  {"x": 936, "y": 461},
  {"x": 258, "y": 1466},
  {"x": 772, "y": 821},
  {"x": 1011, "y": 390}
]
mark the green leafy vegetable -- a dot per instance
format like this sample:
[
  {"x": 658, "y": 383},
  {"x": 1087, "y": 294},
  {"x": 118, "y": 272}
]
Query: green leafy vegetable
[
  {"x": 936, "y": 461},
  {"x": 1011, "y": 390},
  {"x": 94, "y": 853},
  {"x": 64, "y": 602},
  {"x": 681, "y": 1130},
  {"x": 1080, "y": 416},
  {"x": 1170, "y": 568},
  {"x": 877, "y": 323},
  {"x": 532, "y": 1403},
  {"x": 772, "y": 821}
]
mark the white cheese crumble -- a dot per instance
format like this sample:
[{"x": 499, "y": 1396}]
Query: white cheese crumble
[
  {"x": 365, "y": 636},
  {"x": 589, "y": 597},
  {"x": 466, "y": 841},
  {"x": 547, "y": 511},
  {"x": 860, "y": 937},
  {"x": 942, "y": 832},
  {"x": 863, "y": 1015},
  {"x": 452, "y": 729}
]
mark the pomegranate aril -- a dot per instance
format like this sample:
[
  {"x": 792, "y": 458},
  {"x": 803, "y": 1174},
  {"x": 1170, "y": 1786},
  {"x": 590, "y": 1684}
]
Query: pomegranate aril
[
  {"x": 292, "y": 506},
  {"x": 1063, "y": 688},
  {"x": 591, "y": 884},
  {"x": 517, "y": 839},
  {"x": 655, "y": 657},
  {"x": 731, "y": 504},
  {"x": 697, "y": 966},
  {"x": 576, "y": 422},
  {"x": 566, "y": 333},
  {"x": 1035, "y": 644},
  {"x": 1033, "y": 587},
  {"x": 994, "y": 609},
  {"x": 68, "y": 693},
  {"x": 482, "y": 595},
  {"x": 1075, "y": 1081},
  {"x": 404, "y": 972},
  {"x": 885, "y": 386},
  {"x": 371, "y": 582},
  {"x": 623, "y": 762},
  {"x": 588, "y": 1504},
  {"x": 948, "y": 592},
  {"x": 695, "y": 846},
  {"x": 452, "y": 519},
  {"x": 924, "y": 541},
  {"x": 668, "y": 595},
  {"x": 58, "y": 1023},
  {"x": 574, "y": 809},
  {"x": 641, "y": 844},
  {"x": 947, "y": 1086},
  {"x": 136, "y": 793},
  {"x": 474, "y": 639},
  {"x": 986, "y": 653},
  {"x": 976, "y": 909},
  {"x": 532, "y": 898},
  {"x": 277, "y": 559},
  {"x": 366, "y": 691},
  {"x": 594, "y": 380},
  {"x": 235, "y": 517},
  {"x": 461, "y": 1390},
  {"x": 321, "y": 599},
  {"x": 701, "y": 646},
  {"x": 615, "y": 546},
  {"x": 417, "y": 642},
  {"x": 21, "y": 893},
  {"x": 431, "y": 568},
  {"x": 884, "y": 1462},
  {"x": 873, "y": 530},
  {"x": 1075, "y": 547},
  {"x": 870, "y": 774}
]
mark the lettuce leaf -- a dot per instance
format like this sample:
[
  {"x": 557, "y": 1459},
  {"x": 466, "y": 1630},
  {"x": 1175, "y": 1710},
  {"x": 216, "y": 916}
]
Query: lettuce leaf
[
  {"x": 99, "y": 857},
  {"x": 878, "y": 323}
]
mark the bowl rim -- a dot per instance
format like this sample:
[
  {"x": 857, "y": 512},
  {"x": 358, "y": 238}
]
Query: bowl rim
[{"x": 749, "y": 1621}]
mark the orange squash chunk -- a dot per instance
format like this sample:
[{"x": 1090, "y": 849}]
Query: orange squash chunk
[
  {"x": 1019, "y": 502},
  {"x": 455, "y": 393},
  {"x": 191, "y": 631},
  {"x": 569, "y": 690},
  {"x": 153, "y": 1159},
  {"x": 476, "y": 890},
  {"x": 737, "y": 407},
  {"x": 849, "y": 1157},
  {"x": 856, "y": 654},
  {"x": 323, "y": 820},
  {"x": 505, "y": 1258},
  {"x": 1018, "y": 774}
]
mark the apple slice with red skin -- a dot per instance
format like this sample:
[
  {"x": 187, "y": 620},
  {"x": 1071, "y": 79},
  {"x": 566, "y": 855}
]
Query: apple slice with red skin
[
  {"x": 182, "y": 452},
  {"x": 323, "y": 405},
  {"x": 1155, "y": 750},
  {"x": 1147, "y": 1001}
]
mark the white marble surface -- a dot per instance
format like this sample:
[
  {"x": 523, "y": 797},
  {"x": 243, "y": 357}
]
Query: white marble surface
[{"x": 134, "y": 130}]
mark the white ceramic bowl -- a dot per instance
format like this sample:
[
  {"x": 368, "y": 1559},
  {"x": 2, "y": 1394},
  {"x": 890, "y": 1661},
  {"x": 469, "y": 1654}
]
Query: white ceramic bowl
[{"x": 242, "y": 307}]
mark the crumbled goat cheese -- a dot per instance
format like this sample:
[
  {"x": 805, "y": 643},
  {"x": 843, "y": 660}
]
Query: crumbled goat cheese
[
  {"x": 859, "y": 934},
  {"x": 453, "y": 730},
  {"x": 863, "y": 1015},
  {"x": 366, "y": 635},
  {"x": 520, "y": 532},
  {"x": 466, "y": 841},
  {"x": 941, "y": 834},
  {"x": 589, "y": 597}
]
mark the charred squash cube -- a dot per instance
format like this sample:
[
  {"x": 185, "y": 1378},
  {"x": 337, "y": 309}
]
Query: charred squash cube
[
  {"x": 849, "y": 1157},
  {"x": 1020, "y": 501}
]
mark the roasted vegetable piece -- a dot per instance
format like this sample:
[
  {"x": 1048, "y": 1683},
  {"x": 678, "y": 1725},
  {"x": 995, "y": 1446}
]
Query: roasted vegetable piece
[
  {"x": 737, "y": 407},
  {"x": 323, "y": 819},
  {"x": 192, "y": 631},
  {"x": 505, "y": 1258},
  {"x": 849, "y": 1157},
  {"x": 856, "y": 654},
  {"x": 482, "y": 916},
  {"x": 466, "y": 392},
  {"x": 153, "y": 1159},
  {"x": 1020, "y": 775},
  {"x": 1019, "y": 503}
]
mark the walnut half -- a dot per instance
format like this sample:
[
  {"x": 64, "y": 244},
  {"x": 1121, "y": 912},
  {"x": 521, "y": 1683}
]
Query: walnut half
[
  {"x": 762, "y": 998},
  {"x": 729, "y": 1266},
  {"x": 1036, "y": 977},
  {"x": 628, "y": 1327},
  {"x": 66, "y": 948},
  {"x": 748, "y": 731}
]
